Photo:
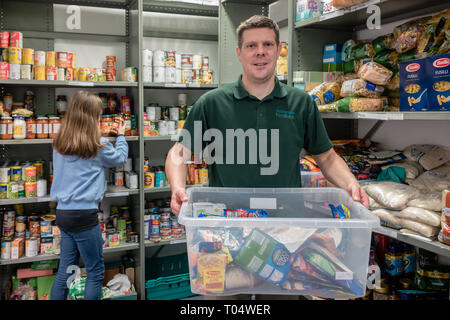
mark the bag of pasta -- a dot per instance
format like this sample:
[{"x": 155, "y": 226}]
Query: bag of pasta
[
  {"x": 388, "y": 59},
  {"x": 360, "y": 88},
  {"x": 375, "y": 73},
  {"x": 331, "y": 107},
  {"x": 326, "y": 92},
  {"x": 383, "y": 43},
  {"x": 394, "y": 83},
  {"x": 347, "y": 48},
  {"x": 368, "y": 104},
  {"x": 363, "y": 50},
  {"x": 445, "y": 46},
  {"x": 351, "y": 66},
  {"x": 409, "y": 39}
]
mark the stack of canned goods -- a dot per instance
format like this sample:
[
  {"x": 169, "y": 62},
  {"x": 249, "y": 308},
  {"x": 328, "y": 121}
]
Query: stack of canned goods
[
  {"x": 160, "y": 224},
  {"x": 28, "y": 235},
  {"x": 118, "y": 227},
  {"x": 167, "y": 66},
  {"x": 114, "y": 112},
  {"x": 22, "y": 180},
  {"x": 154, "y": 177},
  {"x": 124, "y": 176},
  {"x": 165, "y": 120}
]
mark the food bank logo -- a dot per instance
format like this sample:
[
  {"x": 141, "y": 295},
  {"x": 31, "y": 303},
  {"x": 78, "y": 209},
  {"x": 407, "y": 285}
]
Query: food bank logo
[{"x": 235, "y": 140}]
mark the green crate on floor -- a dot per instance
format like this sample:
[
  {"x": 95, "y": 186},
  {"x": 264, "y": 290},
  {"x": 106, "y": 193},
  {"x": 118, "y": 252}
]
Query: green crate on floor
[
  {"x": 166, "y": 266},
  {"x": 169, "y": 288}
]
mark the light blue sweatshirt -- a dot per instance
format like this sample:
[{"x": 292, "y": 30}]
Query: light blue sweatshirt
[{"x": 79, "y": 184}]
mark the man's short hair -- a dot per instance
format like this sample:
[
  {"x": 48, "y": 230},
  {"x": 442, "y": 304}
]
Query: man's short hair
[{"x": 258, "y": 21}]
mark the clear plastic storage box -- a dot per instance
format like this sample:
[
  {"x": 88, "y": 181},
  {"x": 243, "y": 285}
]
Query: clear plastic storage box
[{"x": 299, "y": 248}]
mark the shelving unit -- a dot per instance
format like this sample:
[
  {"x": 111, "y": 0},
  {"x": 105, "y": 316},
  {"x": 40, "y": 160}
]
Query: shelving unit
[{"x": 306, "y": 41}]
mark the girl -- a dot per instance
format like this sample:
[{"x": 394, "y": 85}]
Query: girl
[{"x": 80, "y": 156}]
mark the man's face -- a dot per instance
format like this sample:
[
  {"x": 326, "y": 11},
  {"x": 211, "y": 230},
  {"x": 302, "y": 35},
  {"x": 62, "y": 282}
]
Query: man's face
[{"x": 258, "y": 54}]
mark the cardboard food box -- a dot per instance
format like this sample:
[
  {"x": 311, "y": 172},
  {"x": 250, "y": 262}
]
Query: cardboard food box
[
  {"x": 17, "y": 248},
  {"x": 307, "y": 9},
  {"x": 413, "y": 85},
  {"x": 438, "y": 72}
]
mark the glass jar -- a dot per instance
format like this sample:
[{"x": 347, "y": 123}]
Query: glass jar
[
  {"x": 31, "y": 128},
  {"x": 20, "y": 128},
  {"x": 61, "y": 105},
  {"x": 106, "y": 125},
  {"x": 112, "y": 103},
  {"x": 42, "y": 128},
  {"x": 54, "y": 123},
  {"x": 8, "y": 99},
  {"x": 127, "y": 119},
  {"x": 6, "y": 128}
]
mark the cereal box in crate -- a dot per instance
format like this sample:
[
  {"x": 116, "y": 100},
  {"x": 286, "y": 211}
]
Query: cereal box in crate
[
  {"x": 277, "y": 241},
  {"x": 438, "y": 75}
]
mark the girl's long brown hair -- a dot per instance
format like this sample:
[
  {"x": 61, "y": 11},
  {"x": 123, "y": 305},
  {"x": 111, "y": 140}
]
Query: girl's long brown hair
[{"x": 80, "y": 134}]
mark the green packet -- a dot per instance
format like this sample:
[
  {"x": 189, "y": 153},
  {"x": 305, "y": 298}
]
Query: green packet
[
  {"x": 343, "y": 105},
  {"x": 43, "y": 265}
]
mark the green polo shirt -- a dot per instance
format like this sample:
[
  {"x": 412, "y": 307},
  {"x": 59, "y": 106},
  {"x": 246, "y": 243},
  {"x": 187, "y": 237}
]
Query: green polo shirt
[{"x": 290, "y": 111}]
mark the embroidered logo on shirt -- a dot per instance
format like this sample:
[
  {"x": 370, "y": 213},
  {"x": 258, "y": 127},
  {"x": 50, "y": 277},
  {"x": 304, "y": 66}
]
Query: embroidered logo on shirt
[{"x": 285, "y": 114}]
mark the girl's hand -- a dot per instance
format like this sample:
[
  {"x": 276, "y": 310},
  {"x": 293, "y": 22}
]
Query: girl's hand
[{"x": 121, "y": 130}]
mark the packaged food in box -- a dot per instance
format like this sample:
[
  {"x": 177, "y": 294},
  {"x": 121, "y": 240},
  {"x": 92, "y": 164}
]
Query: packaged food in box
[
  {"x": 332, "y": 53},
  {"x": 413, "y": 85},
  {"x": 438, "y": 72},
  {"x": 375, "y": 73},
  {"x": 360, "y": 88},
  {"x": 307, "y": 9},
  {"x": 326, "y": 92},
  {"x": 299, "y": 248},
  {"x": 368, "y": 104}
]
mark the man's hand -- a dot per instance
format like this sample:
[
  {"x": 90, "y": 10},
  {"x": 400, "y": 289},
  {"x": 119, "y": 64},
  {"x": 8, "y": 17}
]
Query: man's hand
[
  {"x": 178, "y": 197},
  {"x": 358, "y": 194}
]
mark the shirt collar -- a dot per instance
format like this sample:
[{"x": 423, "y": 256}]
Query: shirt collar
[{"x": 240, "y": 92}]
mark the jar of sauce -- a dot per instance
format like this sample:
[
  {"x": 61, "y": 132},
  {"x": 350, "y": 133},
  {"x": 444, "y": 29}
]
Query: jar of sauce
[
  {"x": 54, "y": 123},
  {"x": 31, "y": 128},
  {"x": 6, "y": 128},
  {"x": 61, "y": 105},
  {"x": 42, "y": 128},
  {"x": 20, "y": 128}
]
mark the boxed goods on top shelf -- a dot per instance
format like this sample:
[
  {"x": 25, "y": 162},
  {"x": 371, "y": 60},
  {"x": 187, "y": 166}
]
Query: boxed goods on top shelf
[
  {"x": 18, "y": 63},
  {"x": 308, "y": 9},
  {"x": 159, "y": 222},
  {"x": 168, "y": 66}
]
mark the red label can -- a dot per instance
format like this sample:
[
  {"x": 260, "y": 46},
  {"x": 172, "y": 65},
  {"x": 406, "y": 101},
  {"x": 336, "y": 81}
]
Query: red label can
[
  {"x": 4, "y": 70},
  {"x": 111, "y": 62},
  {"x": 110, "y": 74},
  {"x": 51, "y": 73},
  {"x": 125, "y": 105},
  {"x": 16, "y": 39},
  {"x": 61, "y": 59},
  {"x": 4, "y": 39},
  {"x": 69, "y": 60}
]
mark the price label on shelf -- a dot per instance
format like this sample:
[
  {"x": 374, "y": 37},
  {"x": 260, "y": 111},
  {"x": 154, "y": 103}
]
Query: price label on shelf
[
  {"x": 43, "y": 199},
  {"x": 117, "y": 194},
  {"x": 396, "y": 116},
  {"x": 175, "y": 85},
  {"x": 332, "y": 15},
  {"x": 177, "y": 241},
  {"x": 363, "y": 5},
  {"x": 81, "y": 83},
  {"x": 373, "y": 115}
]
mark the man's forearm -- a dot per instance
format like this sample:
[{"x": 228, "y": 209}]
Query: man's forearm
[
  {"x": 335, "y": 169},
  {"x": 176, "y": 168}
]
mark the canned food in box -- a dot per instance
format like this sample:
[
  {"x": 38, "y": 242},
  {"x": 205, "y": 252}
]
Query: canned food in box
[
  {"x": 9, "y": 220},
  {"x": 47, "y": 245},
  {"x": 39, "y": 72},
  {"x": 129, "y": 74},
  {"x": 196, "y": 75},
  {"x": 16, "y": 39},
  {"x": 39, "y": 58},
  {"x": 14, "y": 55},
  {"x": 92, "y": 75},
  {"x": 4, "y": 70},
  {"x": 6, "y": 248},
  {"x": 61, "y": 59},
  {"x": 28, "y": 56},
  {"x": 51, "y": 73},
  {"x": 31, "y": 247},
  {"x": 26, "y": 72},
  {"x": 4, "y": 55},
  {"x": 4, "y": 39},
  {"x": 170, "y": 59},
  {"x": 50, "y": 59},
  {"x": 186, "y": 61},
  {"x": 197, "y": 61},
  {"x": 56, "y": 231},
  {"x": 14, "y": 71},
  {"x": 159, "y": 58}
]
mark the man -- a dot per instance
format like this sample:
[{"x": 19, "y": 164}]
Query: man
[{"x": 259, "y": 101}]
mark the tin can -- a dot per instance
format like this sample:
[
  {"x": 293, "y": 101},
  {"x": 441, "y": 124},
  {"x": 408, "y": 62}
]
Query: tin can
[
  {"x": 149, "y": 180},
  {"x": 9, "y": 220},
  {"x": 47, "y": 245},
  {"x": 50, "y": 59},
  {"x": 205, "y": 63},
  {"x": 29, "y": 173},
  {"x": 197, "y": 61},
  {"x": 113, "y": 239},
  {"x": 46, "y": 228},
  {"x": 129, "y": 74},
  {"x": 154, "y": 229},
  {"x": 20, "y": 224},
  {"x": 178, "y": 76},
  {"x": 92, "y": 75},
  {"x": 155, "y": 219},
  {"x": 147, "y": 73},
  {"x": 186, "y": 75},
  {"x": 69, "y": 74},
  {"x": 42, "y": 187},
  {"x": 110, "y": 61},
  {"x": 147, "y": 224},
  {"x": 159, "y": 74},
  {"x": 4, "y": 39},
  {"x": 170, "y": 59},
  {"x": 61, "y": 74},
  {"x": 70, "y": 60},
  {"x": 147, "y": 58},
  {"x": 6, "y": 248},
  {"x": 14, "y": 71},
  {"x": 170, "y": 75},
  {"x": 83, "y": 74},
  {"x": 133, "y": 237},
  {"x": 159, "y": 58},
  {"x": 163, "y": 129},
  {"x": 186, "y": 61},
  {"x": 56, "y": 231},
  {"x": 118, "y": 178},
  {"x": 34, "y": 226},
  {"x": 51, "y": 73},
  {"x": 3, "y": 190},
  {"x": 28, "y": 56},
  {"x": 122, "y": 235},
  {"x": 16, "y": 173},
  {"x": 129, "y": 225},
  {"x": 110, "y": 74},
  {"x": 39, "y": 169},
  {"x": 4, "y": 55},
  {"x": 159, "y": 179},
  {"x": 171, "y": 127},
  {"x": 155, "y": 238},
  {"x": 31, "y": 247},
  {"x": 5, "y": 174},
  {"x": 16, "y": 39},
  {"x": 125, "y": 105},
  {"x": 165, "y": 225},
  {"x": 30, "y": 189},
  {"x": 26, "y": 72},
  {"x": 4, "y": 70},
  {"x": 39, "y": 72},
  {"x": 15, "y": 55},
  {"x": 56, "y": 244},
  {"x": 196, "y": 75},
  {"x": 61, "y": 59},
  {"x": 174, "y": 113},
  {"x": 40, "y": 58}
]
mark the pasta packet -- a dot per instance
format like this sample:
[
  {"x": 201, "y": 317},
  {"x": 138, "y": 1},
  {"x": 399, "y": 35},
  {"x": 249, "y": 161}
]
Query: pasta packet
[
  {"x": 375, "y": 73},
  {"x": 360, "y": 88}
]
